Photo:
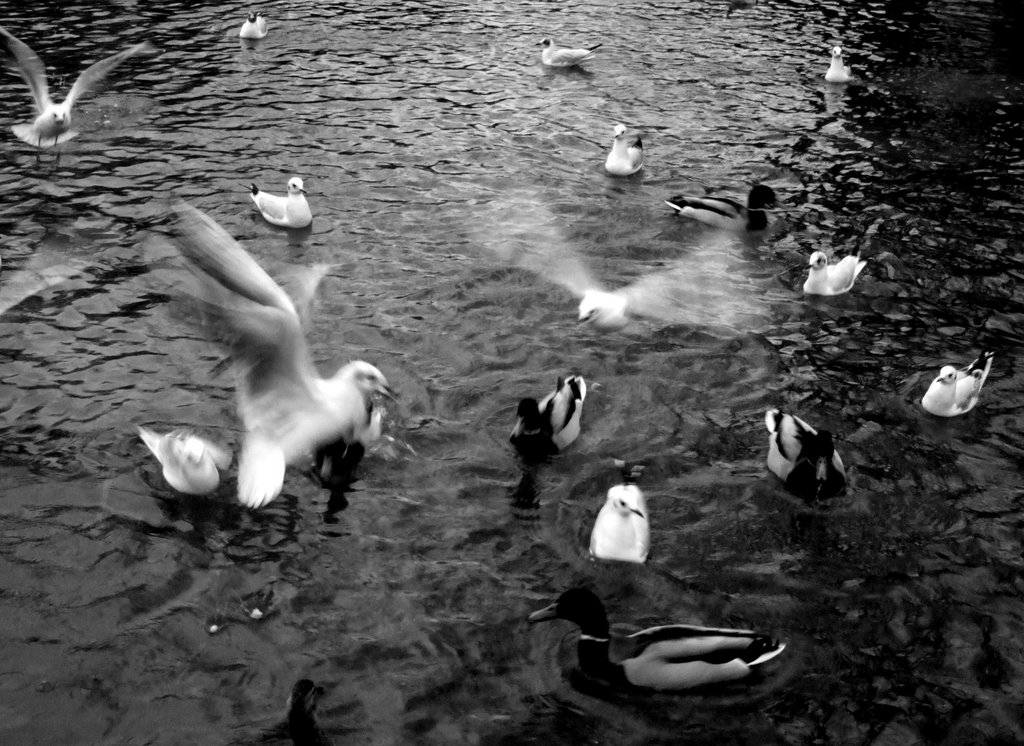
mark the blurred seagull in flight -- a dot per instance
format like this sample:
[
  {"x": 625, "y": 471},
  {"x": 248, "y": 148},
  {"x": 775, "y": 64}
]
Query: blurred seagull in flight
[
  {"x": 190, "y": 462},
  {"x": 832, "y": 279},
  {"x": 290, "y": 211},
  {"x": 553, "y": 56},
  {"x": 837, "y": 71},
  {"x": 287, "y": 409},
  {"x": 627, "y": 154},
  {"x": 255, "y": 26},
  {"x": 53, "y": 121},
  {"x": 955, "y": 391}
]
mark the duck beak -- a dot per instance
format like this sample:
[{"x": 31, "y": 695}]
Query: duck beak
[
  {"x": 822, "y": 471},
  {"x": 548, "y": 612}
]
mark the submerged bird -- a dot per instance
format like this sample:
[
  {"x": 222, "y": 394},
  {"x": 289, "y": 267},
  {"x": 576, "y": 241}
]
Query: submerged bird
[
  {"x": 621, "y": 531},
  {"x": 255, "y": 26},
  {"x": 739, "y": 5},
  {"x": 726, "y": 213},
  {"x": 627, "y": 154},
  {"x": 837, "y": 71},
  {"x": 553, "y": 56},
  {"x": 302, "y": 722},
  {"x": 956, "y": 391},
  {"x": 546, "y": 427},
  {"x": 291, "y": 211},
  {"x": 802, "y": 457},
  {"x": 287, "y": 409},
  {"x": 669, "y": 657},
  {"x": 53, "y": 121},
  {"x": 832, "y": 279},
  {"x": 190, "y": 462}
]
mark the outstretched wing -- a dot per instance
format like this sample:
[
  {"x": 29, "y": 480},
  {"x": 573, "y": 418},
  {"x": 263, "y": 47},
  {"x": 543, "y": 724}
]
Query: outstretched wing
[
  {"x": 95, "y": 73},
  {"x": 31, "y": 69}
]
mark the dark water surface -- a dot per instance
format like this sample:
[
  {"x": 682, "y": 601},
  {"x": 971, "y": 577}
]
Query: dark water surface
[{"x": 441, "y": 159}]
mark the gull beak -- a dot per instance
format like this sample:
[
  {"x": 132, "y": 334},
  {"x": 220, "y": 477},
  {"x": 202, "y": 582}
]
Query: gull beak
[
  {"x": 548, "y": 612},
  {"x": 634, "y": 510},
  {"x": 303, "y": 192},
  {"x": 389, "y": 392}
]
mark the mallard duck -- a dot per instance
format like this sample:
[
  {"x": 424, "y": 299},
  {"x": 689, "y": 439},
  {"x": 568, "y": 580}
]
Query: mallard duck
[
  {"x": 832, "y": 279},
  {"x": 956, "y": 391},
  {"x": 627, "y": 154},
  {"x": 290, "y": 211},
  {"x": 190, "y": 463},
  {"x": 669, "y": 657},
  {"x": 621, "y": 531},
  {"x": 255, "y": 26},
  {"x": 302, "y": 723},
  {"x": 802, "y": 457},
  {"x": 335, "y": 462},
  {"x": 837, "y": 71},
  {"x": 553, "y": 56},
  {"x": 288, "y": 410},
  {"x": 53, "y": 121},
  {"x": 544, "y": 428},
  {"x": 726, "y": 213}
]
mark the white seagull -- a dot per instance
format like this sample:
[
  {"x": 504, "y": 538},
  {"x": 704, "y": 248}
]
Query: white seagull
[
  {"x": 255, "y": 26},
  {"x": 627, "y": 154},
  {"x": 53, "y": 121},
  {"x": 190, "y": 462},
  {"x": 288, "y": 410},
  {"x": 291, "y": 211},
  {"x": 553, "y": 56},
  {"x": 837, "y": 71},
  {"x": 832, "y": 279},
  {"x": 956, "y": 391},
  {"x": 621, "y": 531}
]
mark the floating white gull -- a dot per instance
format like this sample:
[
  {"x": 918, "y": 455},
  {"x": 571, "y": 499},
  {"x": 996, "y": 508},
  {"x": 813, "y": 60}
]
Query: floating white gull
[
  {"x": 955, "y": 391},
  {"x": 838, "y": 72},
  {"x": 832, "y": 279},
  {"x": 287, "y": 409},
  {"x": 255, "y": 26},
  {"x": 190, "y": 463},
  {"x": 553, "y": 56},
  {"x": 290, "y": 211},
  {"x": 53, "y": 121},
  {"x": 621, "y": 531},
  {"x": 627, "y": 153}
]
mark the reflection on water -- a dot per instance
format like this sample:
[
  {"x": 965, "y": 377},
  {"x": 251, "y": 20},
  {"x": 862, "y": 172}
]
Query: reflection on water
[{"x": 458, "y": 196}]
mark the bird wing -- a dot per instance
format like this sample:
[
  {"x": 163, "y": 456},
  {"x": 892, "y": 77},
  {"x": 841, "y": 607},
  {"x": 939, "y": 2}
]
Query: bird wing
[
  {"x": 260, "y": 470},
  {"x": 719, "y": 205},
  {"x": 570, "y": 56},
  {"x": 271, "y": 205},
  {"x": 30, "y": 67},
  {"x": 93, "y": 74},
  {"x": 842, "y": 275}
]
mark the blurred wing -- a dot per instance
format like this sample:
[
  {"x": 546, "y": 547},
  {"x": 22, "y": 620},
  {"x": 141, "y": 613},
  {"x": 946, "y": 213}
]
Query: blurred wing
[
  {"x": 93, "y": 74},
  {"x": 30, "y": 67}
]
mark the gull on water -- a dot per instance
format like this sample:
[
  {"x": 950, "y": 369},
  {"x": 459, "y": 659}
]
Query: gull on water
[
  {"x": 551, "y": 425},
  {"x": 53, "y": 121},
  {"x": 621, "y": 531},
  {"x": 722, "y": 212},
  {"x": 255, "y": 26},
  {"x": 956, "y": 391},
  {"x": 290, "y": 211},
  {"x": 802, "y": 457},
  {"x": 287, "y": 409},
  {"x": 191, "y": 463},
  {"x": 627, "y": 153},
  {"x": 838, "y": 72},
  {"x": 553, "y": 56},
  {"x": 832, "y": 279}
]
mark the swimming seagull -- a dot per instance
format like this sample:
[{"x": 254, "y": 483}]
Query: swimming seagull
[
  {"x": 288, "y": 411},
  {"x": 291, "y": 211},
  {"x": 190, "y": 462},
  {"x": 53, "y": 123},
  {"x": 553, "y": 56},
  {"x": 832, "y": 279},
  {"x": 551, "y": 425},
  {"x": 621, "y": 531},
  {"x": 804, "y": 458},
  {"x": 837, "y": 71},
  {"x": 627, "y": 153},
  {"x": 722, "y": 212},
  {"x": 255, "y": 26},
  {"x": 956, "y": 391}
]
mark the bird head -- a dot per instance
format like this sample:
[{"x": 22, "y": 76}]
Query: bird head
[
  {"x": 529, "y": 416},
  {"x": 602, "y": 310},
  {"x": 251, "y": 17},
  {"x": 818, "y": 260},
  {"x": 761, "y": 197},
  {"x": 620, "y": 130},
  {"x": 303, "y": 698},
  {"x": 626, "y": 499},
  {"x": 545, "y": 43},
  {"x": 295, "y": 186},
  {"x": 577, "y": 605},
  {"x": 947, "y": 375},
  {"x": 837, "y": 52},
  {"x": 366, "y": 378}
]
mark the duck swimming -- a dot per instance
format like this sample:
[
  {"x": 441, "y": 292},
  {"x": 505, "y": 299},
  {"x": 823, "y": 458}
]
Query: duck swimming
[
  {"x": 670, "y": 657},
  {"x": 722, "y": 212},
  {"x": 290, "y": 211},
  {"x": 190, "y": 463},
  {"x": 544, "y": 428},
  {"x": 832, "y": 279},
  {"x": 255, "y": 26},
  {"x": 802, "y": 457},
  {"x": 627, "y": 154},
  {"x": 837, "y": 71},
  {"x": 956, "y": 392},
  {"x": 553, "y": 56},
  {"x": 302, "y": 722},
  {"x": 621, "y": 531}
]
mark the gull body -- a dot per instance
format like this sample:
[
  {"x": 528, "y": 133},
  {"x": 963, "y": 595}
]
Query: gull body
[
  {"x": 802, "y": 457},
  {"x": 190, "y": 463},
  {"x": 627, "y": 154},
  {"x": 838, "y": 72},
  {"x": 621, "y": 531},
  {"x": 669, "y": 657},
  {"x": 290, "y": 211},
  {"x": 255, "y": 26},
  {"x": 287, "y": 409},
  {"x": 832, "y": 279},
  {"x": 52, "y": 124},
  {"x": 546, "y": 427},
  {"x": 722, "y": 212},
  {"x": 956, "y": 392},
  {"x": 303, "y": 726},
  {"x": 553, "y": 56}
]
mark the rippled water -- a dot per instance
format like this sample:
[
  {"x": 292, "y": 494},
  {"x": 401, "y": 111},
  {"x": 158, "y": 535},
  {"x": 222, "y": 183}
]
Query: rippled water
[{"x": 452, "y": 178}]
